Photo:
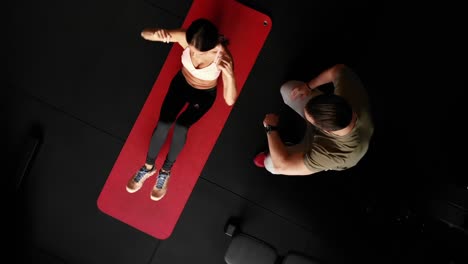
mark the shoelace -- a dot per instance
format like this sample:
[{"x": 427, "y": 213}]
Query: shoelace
[
  {"x": 161, "y": 179},
  {"x": 140, "y": 174}
]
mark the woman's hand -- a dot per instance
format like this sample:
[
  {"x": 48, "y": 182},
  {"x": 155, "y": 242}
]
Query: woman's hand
[
  {"x": 225, "y": 64},
  {"x": 157, "y": 34}
]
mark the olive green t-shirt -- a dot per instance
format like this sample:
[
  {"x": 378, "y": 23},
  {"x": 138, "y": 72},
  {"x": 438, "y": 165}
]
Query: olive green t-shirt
[{"x": 324, "y": 151}]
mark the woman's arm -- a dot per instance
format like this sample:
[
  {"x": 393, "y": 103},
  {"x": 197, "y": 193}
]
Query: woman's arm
[
  {"x": 226, "y": 65},
  {"x": 165, "y": 35}
]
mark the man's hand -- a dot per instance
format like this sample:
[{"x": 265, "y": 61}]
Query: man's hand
[
  {"x": 271, "y": 119},
  {"x": 300, "y": 91}
]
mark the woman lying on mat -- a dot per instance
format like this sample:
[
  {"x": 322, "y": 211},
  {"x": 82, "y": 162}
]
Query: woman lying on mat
[{"x": 205, "y": 58}]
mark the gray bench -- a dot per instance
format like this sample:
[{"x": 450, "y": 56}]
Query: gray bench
[{"x": 245, "y": 249}]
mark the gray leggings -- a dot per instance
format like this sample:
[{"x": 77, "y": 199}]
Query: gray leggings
[{"x": 180, "y": 94}]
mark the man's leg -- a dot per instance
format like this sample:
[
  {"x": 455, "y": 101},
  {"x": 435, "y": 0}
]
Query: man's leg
[
  {"x": 268, "y": 163},
  {"x": 297, "y": 105}
]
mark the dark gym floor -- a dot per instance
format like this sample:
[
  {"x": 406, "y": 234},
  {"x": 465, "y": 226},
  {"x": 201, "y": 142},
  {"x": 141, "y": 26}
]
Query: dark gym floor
[{"x": 78, "y": 74}]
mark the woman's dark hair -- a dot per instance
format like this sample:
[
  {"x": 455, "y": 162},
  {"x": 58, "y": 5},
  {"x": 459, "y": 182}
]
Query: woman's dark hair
[
  {"x": 330, "y": 112},
  {"x": 204, "y": 35}
]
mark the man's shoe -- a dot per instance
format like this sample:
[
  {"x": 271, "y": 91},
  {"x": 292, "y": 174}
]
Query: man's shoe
[
  {"x": 160, "y": 188},
  {"x": 136, "y": 182},
  {"x": 259, "y": 160}
]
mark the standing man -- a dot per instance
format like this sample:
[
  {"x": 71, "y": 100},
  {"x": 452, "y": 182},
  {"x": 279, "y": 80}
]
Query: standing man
[{"x": 339, "y": 125}]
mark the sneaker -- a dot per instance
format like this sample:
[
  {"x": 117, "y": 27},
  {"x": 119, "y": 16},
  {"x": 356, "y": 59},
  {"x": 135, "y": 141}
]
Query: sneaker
[
  {"x": 160, "y": 188},
  {"x": 259, "y": 160},
  {"x": 136, "y": 182}
]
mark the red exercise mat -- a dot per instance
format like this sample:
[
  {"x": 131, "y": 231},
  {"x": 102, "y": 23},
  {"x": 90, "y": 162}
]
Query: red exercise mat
[{"x": 247, "y": 30}]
